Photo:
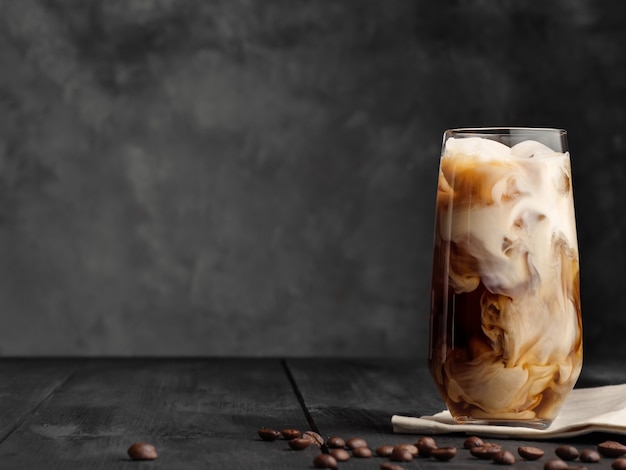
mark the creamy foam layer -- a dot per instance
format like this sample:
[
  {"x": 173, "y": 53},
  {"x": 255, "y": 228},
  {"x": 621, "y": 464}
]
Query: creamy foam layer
[{"x": 508, "y": 213}]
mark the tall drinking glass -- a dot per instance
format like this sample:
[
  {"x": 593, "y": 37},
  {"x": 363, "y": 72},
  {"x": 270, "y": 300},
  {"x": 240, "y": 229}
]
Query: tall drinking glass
[{"x": 505, "y": 321}]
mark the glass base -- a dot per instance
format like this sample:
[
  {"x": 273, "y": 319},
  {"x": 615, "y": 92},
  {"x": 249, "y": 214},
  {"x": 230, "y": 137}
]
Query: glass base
[{"x": 523, "y": 423}]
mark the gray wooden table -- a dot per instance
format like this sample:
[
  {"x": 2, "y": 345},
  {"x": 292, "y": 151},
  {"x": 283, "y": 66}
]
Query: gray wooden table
[{"x": 205, "y": 413}]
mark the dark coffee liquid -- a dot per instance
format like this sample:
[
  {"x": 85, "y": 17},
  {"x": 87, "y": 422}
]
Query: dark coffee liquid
[{"x": 457, "y": 343}]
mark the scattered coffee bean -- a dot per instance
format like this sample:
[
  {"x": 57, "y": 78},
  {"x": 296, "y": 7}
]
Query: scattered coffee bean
[
  {"x": 384, "y": 451},
  {"x": 290, "y": 433},
  {"x": 555, "y": 464},
  {"x": 567, "y": 452},
  {"x": 473, "y": 441},
  {"x": 325, "y": 461},
  {"x": 299, "y": 443},
  {"x": 341, "y": 455},
  {"x": 400, "y": 455},
  {"x": 425, "y": 446},
  {"x": 530, "y": 453},
  {"x": 612, "y": 449},
  {"x": 589, "y": 456},
  {"x": 142, "y": 451},
  {"x": 355, "y": 442},
  {"x": 486, "y": 451},
  {"x": 362, "y": 452},
  {"x": 410, "y": 447},
  {"x": 390, "y": 466},
  {"x": 504, "y": 457},
  {"x": 443, "y": 453},
  {"x": 558, "y": 464},
  {"x": 268, "y": 434},
  {"x": 315, "y": 437},
  {"x": 619, "y": 464},
  {"x": 335, "y": 442}
]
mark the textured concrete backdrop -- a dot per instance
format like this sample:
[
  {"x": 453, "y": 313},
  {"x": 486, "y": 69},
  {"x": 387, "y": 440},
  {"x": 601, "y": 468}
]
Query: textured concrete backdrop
[{"x": 237, "y": 177}]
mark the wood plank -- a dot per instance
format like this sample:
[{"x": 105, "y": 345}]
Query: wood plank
[
  {"x": 354, "y": 396},
  {"x": 358, "y": 397},
  {"x": 25, "y": 384},
  {"x": 599, "y": 371},
  {"x": 198, "y": 413}
]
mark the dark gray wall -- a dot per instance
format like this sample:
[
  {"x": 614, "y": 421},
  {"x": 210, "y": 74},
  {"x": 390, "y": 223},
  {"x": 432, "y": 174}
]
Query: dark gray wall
[{"x": 258, "y": 178}]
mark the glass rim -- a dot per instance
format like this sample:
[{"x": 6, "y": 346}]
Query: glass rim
[{"x": 505, "y": 130}]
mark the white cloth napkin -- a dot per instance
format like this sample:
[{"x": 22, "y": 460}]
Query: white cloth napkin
[{"x": 585, "y": 410}]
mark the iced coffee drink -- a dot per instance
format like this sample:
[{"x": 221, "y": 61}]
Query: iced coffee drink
[{"x": 506, "y": 332}]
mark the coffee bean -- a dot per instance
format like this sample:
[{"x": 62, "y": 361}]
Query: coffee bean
[
  {"x": 315, "y": 437},
  {"x": 390, "y": 466},
  {"x": 486, "y": 451},
  {"x": 400, "y": 455},
  {"x": 619, "y": 464},
  {"x": 612, "y": 449},
  {"x": 362, "y": 452},
  {"x": 410, "y": 447},
  {"x": 555, "y": 464},
  {"x": 473, "y": 441},
  {"x": 335, "y": 442},
  {"x": 425, "y": 446},
  {"x": 355, "y": 442},
  {"x": 530, "y": 453},
  {"x": 268, "y": 434},
  {"x": 443, "y": 453},
  {"x": 567, "y": 452},
  {"x": 384, "y": 451},
  {"x": 504, "y": 457},
  {"x": 290, "y": 433},
  {"x": 299, "y": 443},
  {"x": 589, "y": 456},
  {"x": 341, "y": 455},
  {"x": 142, "y": 451},
  {"x": 325, "y": 461}
]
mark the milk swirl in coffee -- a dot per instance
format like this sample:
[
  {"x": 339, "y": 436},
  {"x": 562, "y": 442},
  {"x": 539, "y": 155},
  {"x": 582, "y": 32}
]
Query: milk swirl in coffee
[{"x": 506, "y": 335}]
